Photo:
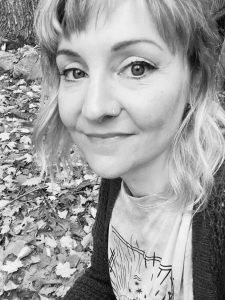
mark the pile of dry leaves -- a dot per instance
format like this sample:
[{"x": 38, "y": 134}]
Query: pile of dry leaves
[{"x": 45, "y": 229}]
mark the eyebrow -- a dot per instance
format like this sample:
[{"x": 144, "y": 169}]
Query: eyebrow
[
  {"x": 124, "y": 44},
  {"x": 117, "y": 47},
  {"x": 67, "y": 52}
]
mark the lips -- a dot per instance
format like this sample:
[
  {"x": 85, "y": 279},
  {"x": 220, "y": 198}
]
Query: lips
[
  {"x": 102, "y": 140},
  {"x": 107, "y": 135}
]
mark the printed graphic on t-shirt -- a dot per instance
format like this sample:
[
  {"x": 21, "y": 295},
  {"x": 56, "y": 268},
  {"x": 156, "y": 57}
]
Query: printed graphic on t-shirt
[{"x": 136, "y": 275}]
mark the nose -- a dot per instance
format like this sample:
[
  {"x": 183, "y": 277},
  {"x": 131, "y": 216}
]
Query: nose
[{"x": 98, "y": 102}]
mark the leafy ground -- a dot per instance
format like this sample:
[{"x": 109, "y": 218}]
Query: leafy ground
[{"x": 45, "y": 230}]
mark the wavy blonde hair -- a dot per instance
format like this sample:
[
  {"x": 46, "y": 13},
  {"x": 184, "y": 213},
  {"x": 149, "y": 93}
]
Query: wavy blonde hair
[{"x": 198, "y": 148}]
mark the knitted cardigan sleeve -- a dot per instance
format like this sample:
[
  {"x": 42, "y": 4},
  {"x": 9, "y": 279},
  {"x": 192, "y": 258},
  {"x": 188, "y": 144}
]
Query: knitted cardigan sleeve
[{"x": 95, "y": 284}]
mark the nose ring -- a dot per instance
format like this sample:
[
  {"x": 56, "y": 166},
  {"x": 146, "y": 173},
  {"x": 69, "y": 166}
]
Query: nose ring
[{"x": 114, "y": 112}]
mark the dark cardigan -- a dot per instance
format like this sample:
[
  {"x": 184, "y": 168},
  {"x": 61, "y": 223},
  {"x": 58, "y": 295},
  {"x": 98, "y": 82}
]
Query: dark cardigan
[{"x": 208, "y": 242}]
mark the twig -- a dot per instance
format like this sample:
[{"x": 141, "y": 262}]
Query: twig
[{"x": 25, "y": 194}]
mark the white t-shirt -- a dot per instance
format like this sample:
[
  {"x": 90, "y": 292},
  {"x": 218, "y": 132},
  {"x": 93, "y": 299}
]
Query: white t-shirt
[{"x": 149, "y": 249}]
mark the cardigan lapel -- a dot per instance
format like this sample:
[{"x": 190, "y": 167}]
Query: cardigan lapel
[
  {"x": 114, "y": 188},
  {"x": 204, "y": 287}
]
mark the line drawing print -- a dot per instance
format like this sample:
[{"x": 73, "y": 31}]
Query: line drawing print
[{"x": 135, "y": 275}]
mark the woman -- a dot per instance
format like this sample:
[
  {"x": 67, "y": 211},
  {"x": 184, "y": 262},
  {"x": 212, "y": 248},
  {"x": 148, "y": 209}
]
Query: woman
[{"x": 133, "y": 84}]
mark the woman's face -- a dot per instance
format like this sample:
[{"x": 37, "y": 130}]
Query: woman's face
[{"x": 122, "y": 92}]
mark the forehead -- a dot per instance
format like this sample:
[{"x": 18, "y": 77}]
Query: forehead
[
  {"x": 129, "y": 24},
  {"x": 79, "y": 15}
]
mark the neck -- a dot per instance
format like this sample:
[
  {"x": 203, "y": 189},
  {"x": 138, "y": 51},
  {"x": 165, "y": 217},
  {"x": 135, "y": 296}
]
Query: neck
[{"x": 145, "y": 181}]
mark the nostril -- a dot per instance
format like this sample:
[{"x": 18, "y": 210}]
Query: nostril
[{"x": 105, "y": 118}]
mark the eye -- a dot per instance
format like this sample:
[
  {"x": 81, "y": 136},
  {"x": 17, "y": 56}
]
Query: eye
[
  {"x": 73, "y": 74},
  {"x": 138, "y": 69}
]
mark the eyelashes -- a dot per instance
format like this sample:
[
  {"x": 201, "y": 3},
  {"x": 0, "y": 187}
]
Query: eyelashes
[
  {"x": 136, "y": 69},
  {"x": 73, "y": 74}
]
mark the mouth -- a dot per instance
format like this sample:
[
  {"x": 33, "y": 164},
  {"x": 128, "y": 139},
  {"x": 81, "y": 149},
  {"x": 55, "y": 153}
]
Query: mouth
[
  {"x": 107, "y": 138},
  {"x": 108, "y": 135}
]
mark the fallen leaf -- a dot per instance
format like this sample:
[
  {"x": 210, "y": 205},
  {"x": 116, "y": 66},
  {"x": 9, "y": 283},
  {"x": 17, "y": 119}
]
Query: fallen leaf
[
  {"x": 93, "y": 212},
  {"x": 11, "y": 170},
  {"x": 67, "y": 242},
  {"x": 11, "y": 266},
  {"x": 89, "y": 177},
  {"x": 47, "y": 290},
  {"x": 2, "y": 282},
  {"x": 52, "y": 198},
  {"x": 35, "y": 88},
  {"x": 24, "y": 130},
  {"x": 28, "y": 158},
  {"x": 78, "y": 210},
  {"x": 10, "y": 286},
  {"x": 87, "y": 240},
  {"x": 63, "y": 214},
  {"x": 87, "y": 228},
  {"x": 61, "y": 291},
  {"x": 15, "y": 247},
  {"x": 3, "y": 203},
  {"x": 10, "y": 211},
  {"x": 8, "y": 179},
  {"x": 2, "y": 188},
  {"x": 5, "y": 229},
  {"x": 11, "y": 145},
  {"x": 2, "y": 97},
  {"x": 17, "y": 91},
  {"x": 34, "y": 259},
  {"x": 42, "y": 297},
  {"x": 21, "y": 82},
  {"x": 2, "y": 256},
  {"x": 21, "y": 179},
  {"x": 5, "y": 136},
  {"x": 53, "y": 188},
  {"x": 40, "y": 239},
  {"x": 64, "y": 270},
  {"x": 25, "y": 140},
  {"x": 32, "y": 181},
  {"x": 2, "y": 109},
  {"x": 51, "y": 242},
  {"x": 30, "y": 94},
  {"x": 6, "y": 225},
  {"x": 83, "y": 200},
  {"x": 25, "y": 251},
  {"x": 48, "y": 252},
  {"x": 41, "y": 224},
  {"x": 74, "y": 259},
  {"x": 17, "y": 229}
]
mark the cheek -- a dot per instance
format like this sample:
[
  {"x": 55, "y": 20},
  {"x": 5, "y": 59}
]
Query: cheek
[
  {"x": 68, "y": 108},
  {"x": 158, "y": 108}
]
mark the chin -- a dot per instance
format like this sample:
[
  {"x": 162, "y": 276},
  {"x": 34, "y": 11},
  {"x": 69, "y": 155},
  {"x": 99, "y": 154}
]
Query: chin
[{"x": 106, "y": 170}]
